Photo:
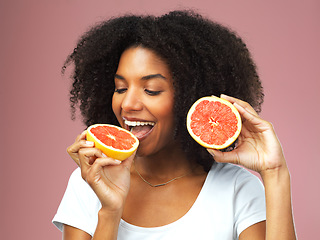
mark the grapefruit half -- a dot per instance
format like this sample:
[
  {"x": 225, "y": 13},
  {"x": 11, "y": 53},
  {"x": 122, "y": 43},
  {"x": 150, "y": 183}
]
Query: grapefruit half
[
  {"x": 214, "y": 122},
  {"x": 113, "y": 141}
]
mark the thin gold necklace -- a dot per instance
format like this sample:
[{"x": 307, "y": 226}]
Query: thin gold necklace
[{"x": 161, "y": 184}]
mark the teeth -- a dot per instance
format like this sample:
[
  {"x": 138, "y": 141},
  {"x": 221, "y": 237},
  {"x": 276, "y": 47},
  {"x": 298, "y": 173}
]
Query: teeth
[{"x": 134, "y": 123}]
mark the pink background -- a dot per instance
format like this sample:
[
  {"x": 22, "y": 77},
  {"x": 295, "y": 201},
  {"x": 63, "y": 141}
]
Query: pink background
[{"x": 36, "y": 36}]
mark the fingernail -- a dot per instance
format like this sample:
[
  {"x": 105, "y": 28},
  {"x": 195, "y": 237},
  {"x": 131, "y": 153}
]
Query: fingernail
[
  {"x": 117, "y": 161},
  {"x": 89, "y": 143},
  {"x": 104, "y": 155},
  {"x": 210, "y": 151}
]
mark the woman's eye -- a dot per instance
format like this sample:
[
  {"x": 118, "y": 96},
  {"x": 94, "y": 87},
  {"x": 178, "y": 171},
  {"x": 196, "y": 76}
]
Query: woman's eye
[
  {"x": 120, "y": 90},
  {"x": 152, "y": 93}
]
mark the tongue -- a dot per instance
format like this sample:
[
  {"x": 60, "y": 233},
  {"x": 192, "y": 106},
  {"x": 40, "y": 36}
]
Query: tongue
[{"x": 140, "y": 131}]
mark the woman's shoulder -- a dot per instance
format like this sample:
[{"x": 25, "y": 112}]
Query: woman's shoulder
[
  {"x": 76, "y": 175},
  {"x": 79, "y": 186},
  {"x": 231, "y": 174},
  {"x": 76, "y": 179},
  {"x": 79, "y": 206}
]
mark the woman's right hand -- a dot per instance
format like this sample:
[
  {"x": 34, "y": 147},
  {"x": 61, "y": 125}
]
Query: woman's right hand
[
  {"x": 80, "y": 142},
  {"x": 109, "y": 178}
]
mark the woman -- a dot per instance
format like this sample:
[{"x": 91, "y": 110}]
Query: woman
[{"x": 133, "y": 70}]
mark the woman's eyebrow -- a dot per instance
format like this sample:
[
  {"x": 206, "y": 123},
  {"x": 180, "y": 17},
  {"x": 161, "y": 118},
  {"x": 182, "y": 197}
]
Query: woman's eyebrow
[
  {"x": 119, "y": 77},
  {"x": 153, "y": 76},
  {"x": 158, "y": 75}
]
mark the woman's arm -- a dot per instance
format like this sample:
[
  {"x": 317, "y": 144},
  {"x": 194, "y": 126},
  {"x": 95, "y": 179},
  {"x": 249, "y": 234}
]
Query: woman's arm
[
  {"x": 72, "y": 233},
  {"x": 260, "y": 150},
  {"x": 280, "y": 223},
  {"x": 109, "y": 179},
  {"x": 107, "y": 228},
  {"x": 108, "y": 224}
]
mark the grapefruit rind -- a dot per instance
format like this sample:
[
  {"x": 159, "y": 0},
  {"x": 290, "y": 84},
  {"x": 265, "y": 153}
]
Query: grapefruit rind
[
  {"x": 109, "y": 150},
  {"x": 229, "y": 140}
]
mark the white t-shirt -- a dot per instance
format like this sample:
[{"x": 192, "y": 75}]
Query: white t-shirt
[{"x": 230, "y": 200}]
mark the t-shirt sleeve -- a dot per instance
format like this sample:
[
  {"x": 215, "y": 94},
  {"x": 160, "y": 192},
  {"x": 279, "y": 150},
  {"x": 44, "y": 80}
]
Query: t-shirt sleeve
[
  {"x": 79, "y": 206},
  {"x": 249, "y": 202}
]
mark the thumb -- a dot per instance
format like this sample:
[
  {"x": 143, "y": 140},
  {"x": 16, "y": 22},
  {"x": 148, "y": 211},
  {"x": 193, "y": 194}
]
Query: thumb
[
  {"x": 224, "y": 157},
  {"x": 128, "y": 162}
]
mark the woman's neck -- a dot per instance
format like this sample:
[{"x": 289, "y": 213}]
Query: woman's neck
[{"x": 165, "y": 164}]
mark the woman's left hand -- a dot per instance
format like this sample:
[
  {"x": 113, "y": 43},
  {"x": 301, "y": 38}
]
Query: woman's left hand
[{"x": 258, "y": 146}]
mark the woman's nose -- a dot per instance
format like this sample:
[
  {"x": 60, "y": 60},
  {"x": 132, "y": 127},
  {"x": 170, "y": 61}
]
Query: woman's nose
[{"x": 131, "y": 101}]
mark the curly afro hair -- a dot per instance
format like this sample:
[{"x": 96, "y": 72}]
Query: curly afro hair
[{"x": 204, "y": 57}]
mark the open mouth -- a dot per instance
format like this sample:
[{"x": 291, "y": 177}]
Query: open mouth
[{"x": 139, "y": 128}]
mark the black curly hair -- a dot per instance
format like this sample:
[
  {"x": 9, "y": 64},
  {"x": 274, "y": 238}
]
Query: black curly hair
[{"x": 204, "y": 57}]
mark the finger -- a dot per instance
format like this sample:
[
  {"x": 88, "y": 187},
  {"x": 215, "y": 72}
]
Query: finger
[
  {"x": 79, "y": 142},
  {"x": 248, "y": 115},
  {"x": 93, "y": 173},
  {"x": 81, "y": 136},
  {"x": 243, "y": 104},
  {"x": 224, "y": 157},
  {"x": 74, "y": 148},
  {"x": 128, "y": 162},
  {"x": 86, "y": 153},
  {"x": 87, "y": 157}
]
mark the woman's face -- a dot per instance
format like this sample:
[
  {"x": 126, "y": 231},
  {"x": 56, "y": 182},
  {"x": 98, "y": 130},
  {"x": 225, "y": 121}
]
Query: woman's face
[{"x": 143, "y": 99}]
